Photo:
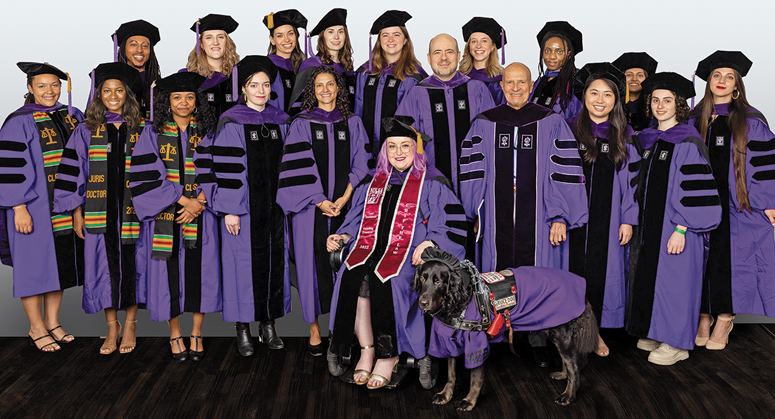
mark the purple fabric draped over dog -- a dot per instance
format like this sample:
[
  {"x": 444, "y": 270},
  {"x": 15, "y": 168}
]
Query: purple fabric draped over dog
[
  {"x": 524, "y": 166},
  {"x": 546, "y": 298},
  {"x": 665, "y": 289},
  {"x": 246, "y": 153},
  {"x": 444, "y": 111},
  {"x": 24, "y": 182},
  {"x": 110, "y": 278},
  {"x": 195, "y": 288},
  {"x": 740, "y": 277}
]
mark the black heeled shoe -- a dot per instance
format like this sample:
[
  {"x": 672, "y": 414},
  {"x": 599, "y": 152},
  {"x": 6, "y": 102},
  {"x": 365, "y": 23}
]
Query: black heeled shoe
[
  {"x": 244, "y": 339},
  {"x": 268, "y": 335},
  {"x": 183, "y": 354},
  {"x": 316, "y": 350},
  {"x": 196, "y": 356}
]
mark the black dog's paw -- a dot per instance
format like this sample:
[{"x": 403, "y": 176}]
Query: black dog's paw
[
  {"x": 564, "y": 399},
  {"x": 441, "y": 398},
  {"x": 465, "y": 406},
  {"x": 559, "y": 375}
]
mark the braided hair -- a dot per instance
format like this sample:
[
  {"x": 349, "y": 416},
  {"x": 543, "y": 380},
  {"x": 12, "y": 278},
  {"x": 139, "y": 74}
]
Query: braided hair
[{"x": 310, "y": 102}]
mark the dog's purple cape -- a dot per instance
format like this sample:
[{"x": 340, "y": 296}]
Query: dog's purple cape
[
  {"x": 444, "y": 111},
  {"x": 242, "y": 181},
  {"x": 548, "y": 185},
  {"x": 190, "y": 281},
  {"x": 37, "y": 269},
  {"x": 493, "y": 84},
  {"x": 114, "y": 273},
  {"x": 665, "y": 289},
  {"x": 377, "y": 96},
  {"x": 740, "y": 275},
  {"x": 542, "y": 95},
  {"x": 440, "y": 219},
  {"x": 322, "y": 155},
  {"x": 546, "y": 298},
  {"x": 611, "y": 196}
]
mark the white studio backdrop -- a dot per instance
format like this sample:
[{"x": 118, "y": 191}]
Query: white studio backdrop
[{"x": 75, "y": 37}]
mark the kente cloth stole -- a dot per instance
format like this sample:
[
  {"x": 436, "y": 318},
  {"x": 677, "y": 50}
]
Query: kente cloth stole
[
  {"x": 401, "y": 227},
  {"x": 96, "y": 205},
  {"x": 169, "y": 145}
]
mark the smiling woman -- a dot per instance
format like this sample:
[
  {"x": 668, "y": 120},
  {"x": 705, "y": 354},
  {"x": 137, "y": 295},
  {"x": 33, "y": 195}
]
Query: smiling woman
[
  {"x": 484, "y": 36},
  {"x": 285, "y": 52}
]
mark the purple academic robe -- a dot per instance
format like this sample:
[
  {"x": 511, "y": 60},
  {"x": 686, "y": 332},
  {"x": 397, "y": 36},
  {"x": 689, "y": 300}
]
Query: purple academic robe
[
  {"x": 114, "y": 273},
  {"x": 283, "y": 83},
  {"x": 377, "y": 96},
  {"x": 542, "y": 95},
  {"x": 493, "y": 84},
  {"x": 58, "y": 261},
  {"x": 218, "y": 91},
  {"x": 546, "y": 298},
  {"x": 740, "y": 273},
  {"x": 190, "y": 281},
  {"x": 444, "y": 111},
  {"x": 246, "y": 152},
  {"x": 611, "y": 197},
  {"x": 665, "y": 290},
  {"x": 440, "y": 219},
  {"x": 323, "y": 154},
  {"x": 520, "y": 171}
]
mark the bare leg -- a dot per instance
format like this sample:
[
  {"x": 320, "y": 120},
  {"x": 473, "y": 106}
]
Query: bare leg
[
  {"x": 314, "y": 333},
  {"x": 128, "y": 341},
  {"x": 383, "y": 367},
  {"x": 703, "y": 329},
  {"x": 477, "y": 380},
  {"x": 32, "y": 307},
  {"x": 174, "y": 333},
  {"x": 114, "y": 330},
  {"x": 365, "y": 338},
  {"x": 722, "y": 329},
  {"x": 445, "y": 395},
  {"x": 51, "y": 302},
  {"x": 602, "y": 348},
  {"x": 196, "y": 330}
]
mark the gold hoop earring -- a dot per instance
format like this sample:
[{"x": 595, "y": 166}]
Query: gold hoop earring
[
  {"x": 195, "y": 110},
  {"x": 733, "y": 94}
]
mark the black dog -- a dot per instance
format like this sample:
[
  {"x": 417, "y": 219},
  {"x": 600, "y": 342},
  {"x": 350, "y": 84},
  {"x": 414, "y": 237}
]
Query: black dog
[{"x": 446, "y": 289}]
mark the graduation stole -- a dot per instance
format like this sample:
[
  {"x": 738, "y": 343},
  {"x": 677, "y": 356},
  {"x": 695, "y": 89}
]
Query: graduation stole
[
  {"x": 96, "y": 205},
  {"x": 52, "y": 142},
  {"x": 169, "y": 143},
  {"x": 401, "y": 230}
]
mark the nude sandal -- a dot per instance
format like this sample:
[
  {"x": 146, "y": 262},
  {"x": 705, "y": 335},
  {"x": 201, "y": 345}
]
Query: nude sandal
[
  {"x": 363, "y": 372},
  {"x": 128, "y": 347},
  {"x": 383, "y": 381},
  {"x": 109, "y": 345},
  {"x": 702, "y": 341},
  {"x": 715, "y": 346}
]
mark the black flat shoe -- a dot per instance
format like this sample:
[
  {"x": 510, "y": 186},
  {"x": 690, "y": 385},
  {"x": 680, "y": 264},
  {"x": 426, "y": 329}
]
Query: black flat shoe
[
  {"x": 541, "y": 356},
  {"x": 196, "y": 356},
  {"x": 316, "y": 350},
  {"x": 183, "y": 354},
  {"x": 244, "y": 339},
  {"x": 268, "y": 335}
]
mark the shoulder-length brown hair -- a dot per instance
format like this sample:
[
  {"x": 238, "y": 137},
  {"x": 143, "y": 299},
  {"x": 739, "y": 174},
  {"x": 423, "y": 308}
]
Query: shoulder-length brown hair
[
  {"x": 95, "y": 112},
  {"x": 738, "y": 125},
  {"x": 492, "y": 67},
  {"x": 617, "y": 127},
  {"x": 407, "y": 63},
  {"x": 345, "y": 54},
  {"x": 297, "y": 56},
  {"x": 198, "y": 63}
]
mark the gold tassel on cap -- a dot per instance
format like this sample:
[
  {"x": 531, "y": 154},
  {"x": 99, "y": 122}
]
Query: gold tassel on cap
[
  {"x": 419, "y": 142},
  {"x": 626, "y": 94},
  {"x": 270, "y": 21}
]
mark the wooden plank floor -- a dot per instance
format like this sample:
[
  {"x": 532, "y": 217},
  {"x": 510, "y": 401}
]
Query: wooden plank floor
[{"x": 738, "y": 382}]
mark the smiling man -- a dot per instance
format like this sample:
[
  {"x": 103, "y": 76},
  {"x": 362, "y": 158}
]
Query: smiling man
[
  {"x": 133, "y": 44},
  {"x": 443, "y": 106}
]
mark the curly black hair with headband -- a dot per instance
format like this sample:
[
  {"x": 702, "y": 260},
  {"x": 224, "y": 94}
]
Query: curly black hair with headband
[
  {"x": 310, "y": 102},
  {"x": 203, "y": 112}
]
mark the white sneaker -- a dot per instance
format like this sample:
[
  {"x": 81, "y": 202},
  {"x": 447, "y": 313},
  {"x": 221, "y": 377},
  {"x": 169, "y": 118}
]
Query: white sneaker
[
  {"x": 667, "y": 355},
  {"x": 647, "y": 344}
]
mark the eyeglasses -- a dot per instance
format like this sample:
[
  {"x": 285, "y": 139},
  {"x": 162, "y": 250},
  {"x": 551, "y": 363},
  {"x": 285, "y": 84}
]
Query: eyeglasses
[{"x": 393, "y": 149}]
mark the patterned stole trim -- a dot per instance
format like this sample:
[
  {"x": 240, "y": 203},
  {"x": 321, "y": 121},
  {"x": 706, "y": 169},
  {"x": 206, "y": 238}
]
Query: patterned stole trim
[
  {"x": 96, "y": 205},
  {"x": 53, "y": 136},
  {"x": 169, "y": 143}
]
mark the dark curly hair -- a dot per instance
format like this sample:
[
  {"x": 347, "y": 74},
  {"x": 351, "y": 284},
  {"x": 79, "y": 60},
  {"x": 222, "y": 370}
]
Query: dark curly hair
[
  {"x": 682, "y": 109},
  {"x": 310, "y": 102},
  {"x": 203, "y": 112}
]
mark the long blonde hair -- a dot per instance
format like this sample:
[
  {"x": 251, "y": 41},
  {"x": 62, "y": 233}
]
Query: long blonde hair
[
  {"x": 407, "y": 63},
  {"x": 493, "y": 68},
  {"x": 198, "y": 63}
]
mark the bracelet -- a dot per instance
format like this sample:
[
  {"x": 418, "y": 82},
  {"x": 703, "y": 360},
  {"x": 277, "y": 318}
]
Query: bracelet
[
  {"x": 20, "y": 206},
  {"x": 678, "y": 230}
]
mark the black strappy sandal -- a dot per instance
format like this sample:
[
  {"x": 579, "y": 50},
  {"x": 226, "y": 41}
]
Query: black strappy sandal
[
  {"x": 32, "y": 343},
  {"x": 60, "y": 341},
  {"x": 196, "y": 355},
  {"x": 183, "y": 354}
]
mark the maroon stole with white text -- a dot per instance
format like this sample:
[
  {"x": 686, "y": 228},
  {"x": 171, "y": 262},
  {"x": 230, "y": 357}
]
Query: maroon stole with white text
[{"x": 401, "y": 230}]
